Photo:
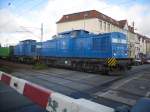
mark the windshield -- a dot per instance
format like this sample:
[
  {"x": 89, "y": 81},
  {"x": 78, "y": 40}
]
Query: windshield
[{"x": 116, "y": 40}]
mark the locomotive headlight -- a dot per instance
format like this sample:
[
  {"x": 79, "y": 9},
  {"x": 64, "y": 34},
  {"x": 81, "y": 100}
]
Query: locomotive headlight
[
  {"x": 114, "y": 54},
  {"x": 66, "y": 62}
]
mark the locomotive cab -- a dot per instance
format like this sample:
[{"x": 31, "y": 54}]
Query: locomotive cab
[{"x": 119, "y": 45}]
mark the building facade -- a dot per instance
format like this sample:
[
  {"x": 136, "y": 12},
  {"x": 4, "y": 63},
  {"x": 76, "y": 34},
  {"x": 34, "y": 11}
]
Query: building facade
[
  {"x": 148, "y": 47},
  {"x": 96, "y": 22},
  {"x": 92, "y": 21},
  {"x": 147, "y": 44}
]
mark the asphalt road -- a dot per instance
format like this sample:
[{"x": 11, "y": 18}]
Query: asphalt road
[{"x": 131, "y": 88}]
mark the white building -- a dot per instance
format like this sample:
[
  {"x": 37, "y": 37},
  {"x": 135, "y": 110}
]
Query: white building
[
  {"x": 92, "y": 21},
  {"x": 144, "y": 44},
  {"x": 148, "y": 46},
  {"x": 96, "y": 22}
]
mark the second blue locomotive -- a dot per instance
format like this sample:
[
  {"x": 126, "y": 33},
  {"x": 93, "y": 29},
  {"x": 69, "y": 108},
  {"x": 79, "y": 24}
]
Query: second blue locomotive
[{"x": 79, "y": 49}]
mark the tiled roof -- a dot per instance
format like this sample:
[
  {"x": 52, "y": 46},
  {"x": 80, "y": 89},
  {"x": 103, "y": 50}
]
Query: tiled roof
[
  {"x": 143, "y": 37},
  {"x": 122, "y": 23},
  {"x": 95, "y": 14},
  {"x": 92, "y": 14},
  {"x": 131, "y": 29}
]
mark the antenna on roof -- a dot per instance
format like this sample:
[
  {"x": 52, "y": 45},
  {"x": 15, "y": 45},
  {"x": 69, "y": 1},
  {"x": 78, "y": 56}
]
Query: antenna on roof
[{"x": 133, "y": 26}]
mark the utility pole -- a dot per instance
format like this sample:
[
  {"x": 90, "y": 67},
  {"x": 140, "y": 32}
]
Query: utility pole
[
  {"x": 41, "y": 40},
  {"x": 41, "y": 32}
]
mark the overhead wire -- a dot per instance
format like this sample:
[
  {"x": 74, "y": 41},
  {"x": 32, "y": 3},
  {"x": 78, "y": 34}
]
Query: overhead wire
[
  {"x": 22, "y": 13},
  {"x": 28, "y": 31},
  {"x": 125, "y": 2},
  {"x": 30, "y": 9}
]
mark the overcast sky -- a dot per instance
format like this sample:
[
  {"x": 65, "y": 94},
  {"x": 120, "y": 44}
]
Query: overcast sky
[{"x": 21, "y": 19}]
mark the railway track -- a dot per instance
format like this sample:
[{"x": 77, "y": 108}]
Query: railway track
[
  {"x": 57, "y": 85},
  {"x": 78, "y": 92},
  {"x": 75, "y": 93},
  {"x": 59, "y": 75}
]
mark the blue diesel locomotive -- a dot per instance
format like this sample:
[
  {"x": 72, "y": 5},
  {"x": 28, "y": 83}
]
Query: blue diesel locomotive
[{"x": 81, "y": 50}]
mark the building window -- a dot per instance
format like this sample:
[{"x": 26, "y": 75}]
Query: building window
[
  {"x": 100, "y": 24},
  {"x": 143, "y": 40},
  {"x": 104, "y": 26},
  {"x": 108, "y": 26}
]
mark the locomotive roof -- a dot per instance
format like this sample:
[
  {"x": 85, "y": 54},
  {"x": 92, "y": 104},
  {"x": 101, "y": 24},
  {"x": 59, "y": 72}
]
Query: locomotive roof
[
  {"x": 67, "y": 32},
  {"x": 28, "y": 40}
]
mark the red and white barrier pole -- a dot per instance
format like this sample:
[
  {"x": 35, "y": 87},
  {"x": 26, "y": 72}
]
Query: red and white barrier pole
[{"x": 50, "y": 100}]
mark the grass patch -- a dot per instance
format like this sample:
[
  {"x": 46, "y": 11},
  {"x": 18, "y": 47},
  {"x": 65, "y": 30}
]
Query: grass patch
[
  {"x": 40, "y": 66},
  {"x": 5, "y": 69}
]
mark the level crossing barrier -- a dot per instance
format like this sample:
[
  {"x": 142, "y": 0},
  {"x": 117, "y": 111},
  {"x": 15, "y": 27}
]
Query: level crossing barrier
[{"x": 50, "y": 100}]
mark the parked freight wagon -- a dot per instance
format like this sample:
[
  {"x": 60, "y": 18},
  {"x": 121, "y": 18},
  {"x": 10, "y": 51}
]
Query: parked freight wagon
[{"x": 5, "y": 52}]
